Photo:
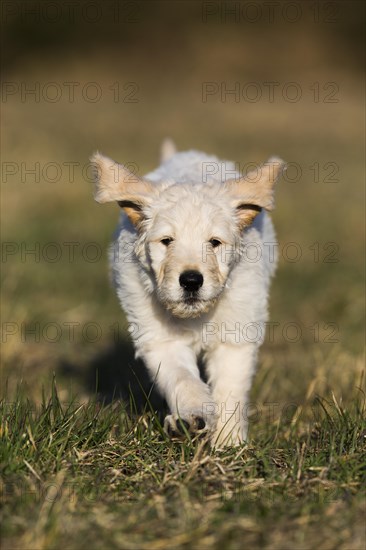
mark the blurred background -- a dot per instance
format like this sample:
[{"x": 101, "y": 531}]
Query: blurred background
[{"x": 242, "y": 80}]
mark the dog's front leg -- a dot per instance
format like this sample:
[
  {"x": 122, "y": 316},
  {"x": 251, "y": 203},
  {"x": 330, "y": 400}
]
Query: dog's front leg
[
  {"x": 174, "y": 368},
  {"x": 230, "y": 370}
]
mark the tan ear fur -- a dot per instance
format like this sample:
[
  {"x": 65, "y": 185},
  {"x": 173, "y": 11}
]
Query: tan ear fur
[
  {"x": 255, "y": 191},
  {"x": 114, "y": 182}
]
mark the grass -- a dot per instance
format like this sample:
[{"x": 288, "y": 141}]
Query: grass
[
  {"x": 87, "y": 475},
  {"x": 77, "y": 469}
]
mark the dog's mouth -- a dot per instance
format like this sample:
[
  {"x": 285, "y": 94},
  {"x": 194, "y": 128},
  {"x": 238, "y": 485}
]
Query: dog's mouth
[
  {"x": 191, "y": 298},
  {"x": 189, "y": 306}
]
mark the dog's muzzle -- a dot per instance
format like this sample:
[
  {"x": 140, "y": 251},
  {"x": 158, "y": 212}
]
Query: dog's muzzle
[{"x": 190, "y": 303}]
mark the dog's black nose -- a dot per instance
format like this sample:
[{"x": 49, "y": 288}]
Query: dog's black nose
[{"x": 191, "y": 280}]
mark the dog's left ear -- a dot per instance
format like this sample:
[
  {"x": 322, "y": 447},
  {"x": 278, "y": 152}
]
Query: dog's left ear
[
  {"x": 114, "y": 182},
  {"x": 255, "y": 191}
]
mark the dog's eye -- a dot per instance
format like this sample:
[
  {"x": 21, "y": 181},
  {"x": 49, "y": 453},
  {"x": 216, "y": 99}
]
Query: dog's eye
[
  {"x": 215, "y": 243},
  {"x": 166, "y": 241}
]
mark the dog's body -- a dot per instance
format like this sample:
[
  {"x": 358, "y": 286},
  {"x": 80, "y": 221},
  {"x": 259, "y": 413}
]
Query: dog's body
[{"x": 192, "y": 265}]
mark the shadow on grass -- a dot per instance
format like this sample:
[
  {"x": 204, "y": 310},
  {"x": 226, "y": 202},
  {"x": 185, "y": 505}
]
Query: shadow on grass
[{"x": 115, "y": 374}]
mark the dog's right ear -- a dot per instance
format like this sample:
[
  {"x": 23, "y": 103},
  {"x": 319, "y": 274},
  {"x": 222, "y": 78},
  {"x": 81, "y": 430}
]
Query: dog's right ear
[
  {"x": 255, "y": 191},
  {"x": 114, "y": 182}
]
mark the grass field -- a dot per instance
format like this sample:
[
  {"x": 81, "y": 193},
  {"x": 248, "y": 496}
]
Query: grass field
[{"x": 77, "y": 469}]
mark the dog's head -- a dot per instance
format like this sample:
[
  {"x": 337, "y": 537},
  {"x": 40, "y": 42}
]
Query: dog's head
[{"x": 188, "y": 235}]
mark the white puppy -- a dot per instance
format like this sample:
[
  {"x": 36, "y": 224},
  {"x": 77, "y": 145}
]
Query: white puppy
[{"x": 192, "y": 265}]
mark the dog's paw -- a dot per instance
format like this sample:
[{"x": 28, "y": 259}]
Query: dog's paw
[
  {"x": 178, "y": 427},
  {"x": 228, "y": 436}
]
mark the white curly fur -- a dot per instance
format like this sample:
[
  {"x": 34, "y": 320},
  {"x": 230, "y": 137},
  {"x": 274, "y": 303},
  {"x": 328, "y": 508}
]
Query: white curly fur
[{"x": 191, "y": 199}]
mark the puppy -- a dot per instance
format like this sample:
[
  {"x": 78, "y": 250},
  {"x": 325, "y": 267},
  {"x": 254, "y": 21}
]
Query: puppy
[{"x": 192, "y": 264}]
